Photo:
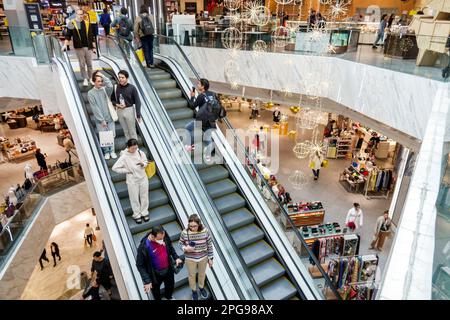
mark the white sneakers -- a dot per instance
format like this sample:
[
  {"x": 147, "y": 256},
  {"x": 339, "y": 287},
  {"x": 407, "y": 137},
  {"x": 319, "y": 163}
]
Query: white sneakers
[
  {"x": 85, "y": 82},
  {"x": 113, "y": 155},
  {"x": 107, "y": 156}
]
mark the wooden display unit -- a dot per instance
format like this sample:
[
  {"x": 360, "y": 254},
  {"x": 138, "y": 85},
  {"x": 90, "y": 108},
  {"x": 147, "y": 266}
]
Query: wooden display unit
[{"x": 304, "y": 218}]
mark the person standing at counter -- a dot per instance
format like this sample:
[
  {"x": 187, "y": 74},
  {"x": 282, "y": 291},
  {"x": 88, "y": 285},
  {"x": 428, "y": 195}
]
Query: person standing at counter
[
  {"x": 380, "y": 34},
  {"x": 41, "y": 159}
]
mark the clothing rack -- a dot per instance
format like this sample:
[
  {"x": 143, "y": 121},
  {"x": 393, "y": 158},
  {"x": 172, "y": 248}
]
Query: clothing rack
[{"x": 383, "y": 193}]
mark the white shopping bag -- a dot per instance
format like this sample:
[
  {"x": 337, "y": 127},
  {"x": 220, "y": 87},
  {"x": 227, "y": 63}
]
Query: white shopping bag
[{"x": 106, "y": 138}]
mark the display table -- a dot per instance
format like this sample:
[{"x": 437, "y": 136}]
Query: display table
[
  {"x": 342, "y": 40},
  {"x": 351, "y": 180},
  {"x": 401, "y": 46},
  {"x": 20, "y": 119},
  {"x": 19, "y": 149},
  {"x": 304, "y": 214}
]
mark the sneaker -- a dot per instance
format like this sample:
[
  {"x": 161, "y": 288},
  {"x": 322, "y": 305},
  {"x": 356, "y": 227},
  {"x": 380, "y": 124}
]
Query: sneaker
[
  {"x": 152, "y": 66},
  {"x": 146, "y": 218},
  {"x": 113, "y": 155},
  {"x": 194, "y": 295},
  {"x": 85, "y": 82},
  {"x": 107, "y": 156},
  {"x": 207, "y": 159},
  {"x": 374, "y": 47},
  {"x": 138, "y": 220},
  {"x": 203, "y": 293}
]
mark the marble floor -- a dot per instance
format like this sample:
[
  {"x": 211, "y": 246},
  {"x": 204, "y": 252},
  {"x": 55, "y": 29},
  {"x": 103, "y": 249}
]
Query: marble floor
[
  {"x": 12, "y": 173},
  {"x": 336, "y": 200},
  {"x": 51, "y": 282}
]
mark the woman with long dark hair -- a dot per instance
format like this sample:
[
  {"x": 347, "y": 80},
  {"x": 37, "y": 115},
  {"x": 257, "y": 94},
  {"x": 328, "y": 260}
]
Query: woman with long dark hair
[
  {"x": 196, "y": 243},
  {"x": 41, "y": 159},
  {"x": 55, "y": 252},
  {"x": 380, "y": 34}
]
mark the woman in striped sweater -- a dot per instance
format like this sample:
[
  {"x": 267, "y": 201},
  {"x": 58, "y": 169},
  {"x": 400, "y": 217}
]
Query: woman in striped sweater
[{"x": 197, "y": 245}]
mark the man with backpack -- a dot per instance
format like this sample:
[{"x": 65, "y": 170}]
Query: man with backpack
[
  {"x": 124, "y": 27},
  {"x": 208, "y": 110},
  {"x": 143, "y": 31}
]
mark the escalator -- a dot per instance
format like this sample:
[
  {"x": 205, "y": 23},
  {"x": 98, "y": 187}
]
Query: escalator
[
  {"x": 265, "y": 264},
  {"x": 161, "y": 210}
]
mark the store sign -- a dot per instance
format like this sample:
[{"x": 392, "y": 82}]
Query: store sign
[{"x": 34, "y": 16}]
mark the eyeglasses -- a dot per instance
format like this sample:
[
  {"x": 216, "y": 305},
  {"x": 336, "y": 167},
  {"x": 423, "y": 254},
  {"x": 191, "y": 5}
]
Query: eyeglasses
[{"x": 193, "y": 226}]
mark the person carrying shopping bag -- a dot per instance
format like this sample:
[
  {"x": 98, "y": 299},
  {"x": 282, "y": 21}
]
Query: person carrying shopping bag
[
  {"x": 133, "y": 163},
  {"x": 196, "y": 243},
  {"x": 103, "y": 112}
]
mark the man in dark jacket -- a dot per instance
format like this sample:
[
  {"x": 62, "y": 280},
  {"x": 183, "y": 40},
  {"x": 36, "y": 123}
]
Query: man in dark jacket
[
  {"x": 207, "y": 118},
  {"x": 154, "y": 262},
  {"x": 82, "y": 36}
]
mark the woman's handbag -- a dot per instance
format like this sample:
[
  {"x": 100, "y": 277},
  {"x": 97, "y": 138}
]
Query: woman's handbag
[
  {"x": 112, "y": 110},
  {"x": 150, "y": 169},
  {"x": 94, "y": 237}
]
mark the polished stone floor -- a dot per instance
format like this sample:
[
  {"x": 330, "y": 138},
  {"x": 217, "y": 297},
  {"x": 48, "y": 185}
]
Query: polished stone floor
[
  {"x": 52, "y": 282},
  {"x": 336, "y": 200},
  {"x": 12, "y": 173}
]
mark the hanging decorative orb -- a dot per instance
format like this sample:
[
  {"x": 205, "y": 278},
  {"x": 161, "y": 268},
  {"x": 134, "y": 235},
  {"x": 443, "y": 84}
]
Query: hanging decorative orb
[
  {"x": 319, "y": 117},
  {"x": 298, "y": 180},
  {"x": 283, "y": 2},
  {"x": 232, "y": 5},
  {"x": 256, "y": 13},
  {"x": 232, "y": 38},
  {"x": 305, "y": 120},
  {"x": 301, "y": 149},
  {"x": 339, "y": 9},
  {"x": 235, "y": 17},
  {"x": 234, "y": 85},
  {"x": 231, "y": 71},
  {"x": 259, "y": 46},
  {"x": 319, "y": 147},
  {"x": 280, "y": 37}
]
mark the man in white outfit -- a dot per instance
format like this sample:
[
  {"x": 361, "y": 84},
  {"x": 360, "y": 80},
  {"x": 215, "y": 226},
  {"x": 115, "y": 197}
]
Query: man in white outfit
[{"x": 355, "y": 215}]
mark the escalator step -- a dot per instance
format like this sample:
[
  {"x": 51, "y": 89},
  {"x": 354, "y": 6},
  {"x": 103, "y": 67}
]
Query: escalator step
[
  {"x": 213, "y": 173},
  {"x": 177, "y": 248},
  {"x": 117, "y": 177},
  {"x": 279, "y": 289},
  {"x": 221, "y": 188},
  {"x": 122, "y": 188},
  {"x": 158, "y": 216},
  {"x": 169, "y": 93},
  {"x": 157, "y": 198},
  {"x": 120, "y": 143},
  {"x": 164, "y": 84},
  {"x": 161, "y": 76},
  {"x": 229, "y": 203},
  {"x": 238, "y": 218},
  {"x": 247, "y": 235},
  {"x": 153, "y": 71},
  {"x": 181, "y": 123},
  {"x": 267, "y": 271},
  {"x": 256, "y": 252},
  {"x": 182, "y": 113},
  {"x": 177, "y": 103}
]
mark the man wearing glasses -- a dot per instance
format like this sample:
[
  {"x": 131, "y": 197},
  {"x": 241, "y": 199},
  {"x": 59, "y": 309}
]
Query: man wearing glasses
[{"x": 81, "y": 34}]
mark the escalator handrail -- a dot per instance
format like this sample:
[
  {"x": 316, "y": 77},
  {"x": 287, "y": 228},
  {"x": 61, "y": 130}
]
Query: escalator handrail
[
  {"x": 77, "y": 93},
  {"x": 163, "y": 111},
  {"x": 282, "y": 209}
]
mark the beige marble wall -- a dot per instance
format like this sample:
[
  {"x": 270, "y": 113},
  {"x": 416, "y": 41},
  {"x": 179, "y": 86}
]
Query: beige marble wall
[{"x": 56, "y": 209}]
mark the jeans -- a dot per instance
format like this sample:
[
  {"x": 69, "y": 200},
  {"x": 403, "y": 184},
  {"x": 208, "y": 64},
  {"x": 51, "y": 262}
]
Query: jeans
[
  {"x": 169, "y": 283},
  {"x": 191, "y": 127},
  {"x": 127, "y": 120},
  {"x": 316, "y": 173},
  {"x": 107, "y": 28},
  {"x": 111, "y": 127},
  {"x": 89, "y": 239},
  {"x": 147, "y": 47},
  {"x": 380, "y": 36},
  {"x": 209, "y": 145},
  {"x": 84, "y": 56}
]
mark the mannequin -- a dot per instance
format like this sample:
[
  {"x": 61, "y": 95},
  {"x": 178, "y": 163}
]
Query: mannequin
[
  {"x": 12, "y": 196},
  {"x": 276, "y": 115}
]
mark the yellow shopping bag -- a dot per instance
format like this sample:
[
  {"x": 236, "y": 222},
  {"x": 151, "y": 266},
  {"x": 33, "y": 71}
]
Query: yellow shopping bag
[
  {"x": 325, "y": 163},
  {"x": 140, "y": 54},
  {"x": 150, "y": 169},
  {"x": 311, "y": 165}
]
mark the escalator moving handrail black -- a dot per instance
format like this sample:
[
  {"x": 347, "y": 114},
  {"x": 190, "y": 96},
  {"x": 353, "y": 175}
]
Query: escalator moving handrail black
[
  {"x": 222, "y": 224},
  {"x": 77, "y": 92},
  {"x": 283, "y": 210}
]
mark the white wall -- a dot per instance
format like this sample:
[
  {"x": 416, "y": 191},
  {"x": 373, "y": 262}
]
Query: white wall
[
  {"x": 402, "y": 101},
  {"x": 23, "y": 78}
]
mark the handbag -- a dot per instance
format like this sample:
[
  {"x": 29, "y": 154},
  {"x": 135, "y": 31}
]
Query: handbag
[
  {"x": 150, "y": 169},
  {"x": 112, "y": 110},
  {"x": 94, "y": 237},
  {"x": 106, "y": 138}
]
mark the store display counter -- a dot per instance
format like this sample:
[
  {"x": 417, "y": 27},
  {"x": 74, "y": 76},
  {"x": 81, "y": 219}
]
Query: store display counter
[
  {"x": 304, "y": 214},
  {"x": 332, "y": 41}
]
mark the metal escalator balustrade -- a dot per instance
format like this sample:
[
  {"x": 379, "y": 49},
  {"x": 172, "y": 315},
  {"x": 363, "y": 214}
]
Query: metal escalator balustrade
[
  {"x": 263, "y": 261},
  {"x": 238, "y": 270}
]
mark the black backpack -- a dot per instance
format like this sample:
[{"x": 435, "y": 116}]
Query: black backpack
[
  {"x": 214, "y": 108},
  {"x": 147, "y": 25},
  {"x": 124, "y": 27}
]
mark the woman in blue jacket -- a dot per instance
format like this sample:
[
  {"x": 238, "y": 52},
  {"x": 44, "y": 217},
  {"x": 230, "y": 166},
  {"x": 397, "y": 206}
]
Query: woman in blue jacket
[{"x": 105, "y": 21}]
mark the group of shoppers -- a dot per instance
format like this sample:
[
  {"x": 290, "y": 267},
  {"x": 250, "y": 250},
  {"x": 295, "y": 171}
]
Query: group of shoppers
[
  {"x": 82, "y": 34},
  {"x": 54, "y": 249},
  {"x": 157, "y": 260}
]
